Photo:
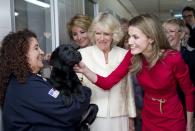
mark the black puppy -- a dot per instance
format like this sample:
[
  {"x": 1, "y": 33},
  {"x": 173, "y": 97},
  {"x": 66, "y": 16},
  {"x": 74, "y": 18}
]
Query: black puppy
[
  {"x": 63, "y": 76},
  {"x": 65, "y": 79}
]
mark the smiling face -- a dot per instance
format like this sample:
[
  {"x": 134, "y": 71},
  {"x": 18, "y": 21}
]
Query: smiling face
[
  {"x": 103, "y": 38},
  {"x": 80, "y": 36},
  {"x": 139, "y": 42},
  {"x": 173, "y": 34},
  {"x": 35, "y": 56}
]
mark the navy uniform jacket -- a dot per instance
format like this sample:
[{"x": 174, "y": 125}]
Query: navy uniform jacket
[{"x": 30, "y": 107}]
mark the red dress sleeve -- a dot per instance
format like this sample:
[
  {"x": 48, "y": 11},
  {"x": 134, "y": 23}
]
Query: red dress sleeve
[
  {"x": 181, "y": 72},
  {"x": 108, "y": 82}
]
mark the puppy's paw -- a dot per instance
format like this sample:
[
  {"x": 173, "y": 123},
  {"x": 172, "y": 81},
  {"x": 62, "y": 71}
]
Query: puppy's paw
[
  {"x": 83, "y": 127},
  {"x": 91, "y": 114}
]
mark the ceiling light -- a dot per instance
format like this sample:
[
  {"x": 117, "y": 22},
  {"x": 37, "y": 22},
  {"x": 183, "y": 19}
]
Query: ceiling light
[
  {"x": 178, "y": 15},
  {"x": 16, "y": 13},
  {"x": 189, "y": 0},
  {"x": 39, "y": 3}
]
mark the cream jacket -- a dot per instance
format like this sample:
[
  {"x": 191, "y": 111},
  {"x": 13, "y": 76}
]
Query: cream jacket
[{"x": 119, "y": 100}]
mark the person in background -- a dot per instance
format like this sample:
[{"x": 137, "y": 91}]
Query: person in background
[
  {"x": 188, "y": 14},
  {"x": 46, "y": 70},
  {"x": 116, "y": 106},
  {"x": 28, "y": 101},
  {"x": 124, "y": 42},
  {"x": 124, "y": 24},
  {"x": 188, "y": 54},
  {"x": 78, "y": 28},
  {"x": 186, "y": 36},
  {"x": 188, "y": 51},
  {"x": 138, "y": 91},
  {"x": 178, "y": 35},
  {"x": 156, "y": 67},
  {"x": 174, "y": 30}
]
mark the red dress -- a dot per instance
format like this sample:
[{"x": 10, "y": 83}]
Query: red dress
[{"x": 162, "y": 110}]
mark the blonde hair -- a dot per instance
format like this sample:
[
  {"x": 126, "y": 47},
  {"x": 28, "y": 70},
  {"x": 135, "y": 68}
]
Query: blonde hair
[
  {"x": 174, "y": 21},
  {"x": 79, "y": 20},
  {"x": 109, "y": 23},
  {"x": 152, "y": 28}
]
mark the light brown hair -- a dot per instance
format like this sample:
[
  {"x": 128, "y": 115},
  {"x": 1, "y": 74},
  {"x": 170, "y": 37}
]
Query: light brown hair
[
  {"x": 152, "y": 28},
  {"x": 79, "y": 20}
]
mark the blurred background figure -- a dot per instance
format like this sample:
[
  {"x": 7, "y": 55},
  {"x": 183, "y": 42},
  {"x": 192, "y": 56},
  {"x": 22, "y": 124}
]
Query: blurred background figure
[
  {"x": 77, "y": 28},
  {"x": 174, "y": 30},
  {"x": 188, "y": 14},
  {"x": 124, "y": 42},
  {"x": 188, "y": 52},
  {"x": 46, "y": 70},
  {"x": 152, "y": 59},
  {"x": 124, "y": 24},
  {"x": 186, "y": 35},
  {"x": 138, "y": 91}
]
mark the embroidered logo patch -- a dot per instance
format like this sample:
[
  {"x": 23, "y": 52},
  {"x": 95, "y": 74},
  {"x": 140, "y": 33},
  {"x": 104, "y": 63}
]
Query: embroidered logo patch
[{"x": 54, "y": 93}]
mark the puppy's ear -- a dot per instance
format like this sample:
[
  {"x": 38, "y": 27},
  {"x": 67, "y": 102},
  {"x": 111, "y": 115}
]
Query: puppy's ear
[{"x": 54, "y": 60}]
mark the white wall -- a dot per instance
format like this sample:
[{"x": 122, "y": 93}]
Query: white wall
[
  {"x": 120, "y": 8},
  {"x": 5, "y": 18},
  {"x": 5, "y": 26},
  {"x": 67, "y": 9}
]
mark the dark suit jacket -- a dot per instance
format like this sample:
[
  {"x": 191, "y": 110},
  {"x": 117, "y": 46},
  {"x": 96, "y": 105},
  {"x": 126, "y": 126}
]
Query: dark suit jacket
[
  {"x": 191, "y": 41},
  {"x": 189, "y": 58}
]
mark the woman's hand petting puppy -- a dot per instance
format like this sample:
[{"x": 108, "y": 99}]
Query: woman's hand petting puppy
[{"x": 82, "y": 68}]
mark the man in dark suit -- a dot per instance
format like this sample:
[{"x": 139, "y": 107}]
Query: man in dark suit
[
  {"x": 188, "y": 14},
  {"x": 188, "y": 52}
]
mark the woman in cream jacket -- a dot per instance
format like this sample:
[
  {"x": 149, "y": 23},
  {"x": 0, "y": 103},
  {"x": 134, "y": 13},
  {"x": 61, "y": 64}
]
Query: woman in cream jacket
[{"x": 116, "y": 105}]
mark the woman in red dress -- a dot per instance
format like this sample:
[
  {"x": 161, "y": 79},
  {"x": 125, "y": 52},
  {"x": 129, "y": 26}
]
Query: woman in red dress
[{"x": 158, "y": 69}]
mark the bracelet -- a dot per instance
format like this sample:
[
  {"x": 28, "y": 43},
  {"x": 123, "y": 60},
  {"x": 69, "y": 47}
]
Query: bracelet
[
  {"x": 87, "y": 124},
  {"x": 81, "y": 79}
]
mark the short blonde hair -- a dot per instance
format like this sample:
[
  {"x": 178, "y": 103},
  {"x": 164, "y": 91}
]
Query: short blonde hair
[
  {"x": 174, "y": 21},
  {"x": 109, "y": 23},
  {"x": 79, "y": 20}
]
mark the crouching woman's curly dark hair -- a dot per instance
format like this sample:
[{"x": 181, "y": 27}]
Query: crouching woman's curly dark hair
[{"x": 13, "y": 58}]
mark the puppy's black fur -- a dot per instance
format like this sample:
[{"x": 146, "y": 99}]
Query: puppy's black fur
[
  {"x": 65, "y": 79},
  {"x": 63, "y": 76},
  {"x": 88, "y": 118}
]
